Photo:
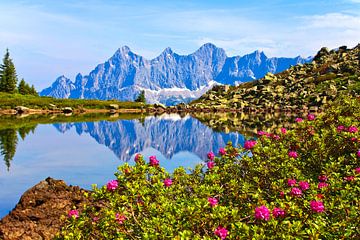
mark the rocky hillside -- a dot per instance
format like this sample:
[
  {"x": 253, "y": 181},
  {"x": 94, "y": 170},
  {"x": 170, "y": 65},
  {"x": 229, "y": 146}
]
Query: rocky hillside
[
  {"x": 169, "y": 78},
  {"x": 301, "y": 87}
]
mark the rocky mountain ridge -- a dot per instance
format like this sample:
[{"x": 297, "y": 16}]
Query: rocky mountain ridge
[{"x": 169, "y": 78}]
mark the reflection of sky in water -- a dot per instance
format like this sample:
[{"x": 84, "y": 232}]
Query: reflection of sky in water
[{"x": 81, "y": 160}]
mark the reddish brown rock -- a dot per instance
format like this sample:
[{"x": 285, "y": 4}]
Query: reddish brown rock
[{"x": 38, "y": 213}]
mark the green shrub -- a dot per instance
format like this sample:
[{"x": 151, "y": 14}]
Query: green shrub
[{"x": 302, "y": 183}]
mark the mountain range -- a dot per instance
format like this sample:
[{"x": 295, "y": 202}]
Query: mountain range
[{"x": 169, "y": 78}]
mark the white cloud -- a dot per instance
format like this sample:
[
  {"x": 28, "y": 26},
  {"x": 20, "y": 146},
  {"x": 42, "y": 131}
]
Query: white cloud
[{"x": 333, "y": 20}]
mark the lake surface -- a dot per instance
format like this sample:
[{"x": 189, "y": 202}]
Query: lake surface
[{"x": 86, "y": 153}]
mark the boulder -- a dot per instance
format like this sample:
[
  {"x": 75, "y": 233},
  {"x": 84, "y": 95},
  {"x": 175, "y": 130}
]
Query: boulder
[
  {"x": 67, "y": 110},
  {"x": 38, "y": 213},
  {"x": 114, "y": 106},
  {"x": 21, "y": 109}
]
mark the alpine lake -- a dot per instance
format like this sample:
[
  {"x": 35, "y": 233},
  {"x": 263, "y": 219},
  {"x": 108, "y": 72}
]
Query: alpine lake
[{"x": 87, "y": 149}]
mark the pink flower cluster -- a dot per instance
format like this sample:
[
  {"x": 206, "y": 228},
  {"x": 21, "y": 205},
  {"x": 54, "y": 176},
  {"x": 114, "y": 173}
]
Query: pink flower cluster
[
  {"x": 278, "y": 212},
  {"x": 304, "y": 185},
  {"x": 153, "y": 161},
  {"x": 298, "y": 119},
  {"x": 357, "y": 170},
  {"x": 221, "y": 232},
  {"x": 353, "y": 129},
  {"x": 291, "y": 182},
  {"x": 293, "y": 154},
  {"x": 73, "y": 213},
  {"x": 317, "y": 206},
  {"x": 263, "y": 213},
  {"x": 112, "y": 185},
  {"x": 283, "y": 130},
  {"x": 222, "y": 151},
  {"x": 210, "y": 164},
  {"x": 120, "y": 218},
  {"x": 296, "y": 192},
  {"x": 212, "y": 201},
  {"x": 310, "y": 117},
  {"x": 249, "y": 144},
  {"x": 211, "y": 156},
  {"x": 168, "y": 182},
  {"x": 358, "y": 153},
  {"x": 138, "y": 156}
]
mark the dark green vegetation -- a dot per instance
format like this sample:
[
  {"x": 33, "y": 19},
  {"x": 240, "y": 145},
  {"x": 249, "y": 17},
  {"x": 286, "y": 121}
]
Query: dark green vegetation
[
  {"x": 303, "y": 184},
  {"x": 12, "y": 126},
  {"x": 141, "y": 97},
  {"x": 8, "y": 78},
  {"x": 10, "y": 101},
  {"x": 302, "y": 87}
]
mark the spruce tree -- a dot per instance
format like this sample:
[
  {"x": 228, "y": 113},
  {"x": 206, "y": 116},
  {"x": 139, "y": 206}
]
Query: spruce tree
[
  {"x": 141, "y": 97},
  {"x": 23, "y": 87},
  {"x": 8, "y": 78},
  {"x": 33, "y": 91}
]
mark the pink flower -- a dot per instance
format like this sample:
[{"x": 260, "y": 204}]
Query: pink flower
[
  {"x": 354, "y": 139},
  {"x": 281, "y": 194},
  {"x": 296, "y": 192},
  {"x": 120, "y": 218},
  {"x": 304, "y": 185},
  {"x": 340, "y": 128},
  {"x": 249, "y": 144},
  {"x": 222, "y": 151},
  {"x": 357, "y": 170},
  {"x": 212, "y": 201},
  {"x": 298, "y": 120},
  {"x": 293, "y": 154},
  {"x": 221, "y": 232},
  {"x": 112, "y": 185},
  {"x": 168, "y": 182},
  {"x": 211, "y": 156},
  {"x": 276, "y": 137},
  {"x": 350, "y": 178},
  {"x": 353, "y": 129},
  {"x": 95, "y": 219},
  {"x": 310, "y": 117},
  {"x": 210, "y": 164},
  {"x": 153, "y": 161},
  {"x": 262, "y": 213},
  {"x": 283, "y": 130},
  {"x": 73, "y": 213},
  {"x": 322, "y": 185},
  {"x": 291, "y": 182},
  {"x": 322, "y": 178},
  {"x": 137, "y": 157},
  {"x": 278, "y": 212},
  {"x": 358, "y": 153},
  {"x": 317, "y": 206},
  {"x": 261, "y": 133}
]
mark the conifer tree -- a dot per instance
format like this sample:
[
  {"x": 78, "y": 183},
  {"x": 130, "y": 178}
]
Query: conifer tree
[
  {"x": 8, "y": 78},
  {"x": 141, "y": 97},
  {"x": 23, "y": 87},
  {"x": 33, "y": 91}
]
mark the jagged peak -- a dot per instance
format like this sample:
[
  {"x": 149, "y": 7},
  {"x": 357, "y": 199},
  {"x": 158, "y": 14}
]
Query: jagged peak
[
  {"x": 208, "y": 46},
  {"x": 167, "y": 50}
]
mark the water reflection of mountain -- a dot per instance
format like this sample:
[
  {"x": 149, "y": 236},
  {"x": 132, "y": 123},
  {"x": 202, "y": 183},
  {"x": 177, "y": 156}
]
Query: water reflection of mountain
[{"x": 168, "y": 134}]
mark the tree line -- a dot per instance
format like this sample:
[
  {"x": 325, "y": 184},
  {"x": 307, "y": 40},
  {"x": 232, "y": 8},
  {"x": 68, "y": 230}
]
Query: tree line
[{"x": 9, "y": 80}]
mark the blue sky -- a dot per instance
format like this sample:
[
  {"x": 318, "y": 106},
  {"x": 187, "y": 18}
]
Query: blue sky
[{"x": 51, "y": 38}]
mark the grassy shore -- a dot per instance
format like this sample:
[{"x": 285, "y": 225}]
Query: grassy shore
[{"x": 10, "y": 101}]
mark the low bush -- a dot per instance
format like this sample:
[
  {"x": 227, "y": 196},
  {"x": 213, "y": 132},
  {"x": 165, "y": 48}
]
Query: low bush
[{"x": 302, "y": 183}]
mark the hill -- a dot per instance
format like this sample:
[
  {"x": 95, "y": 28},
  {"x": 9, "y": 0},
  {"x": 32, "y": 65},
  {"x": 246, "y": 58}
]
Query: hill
[{"x": 302, "y": 87}]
